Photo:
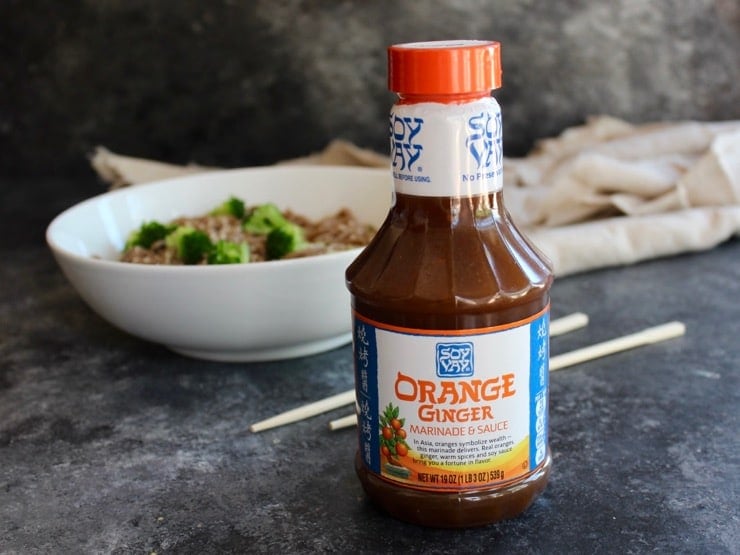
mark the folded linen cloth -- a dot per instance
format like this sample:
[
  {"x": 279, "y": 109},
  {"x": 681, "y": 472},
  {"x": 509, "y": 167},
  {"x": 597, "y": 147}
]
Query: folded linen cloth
[{"x": 602, "y": 194}]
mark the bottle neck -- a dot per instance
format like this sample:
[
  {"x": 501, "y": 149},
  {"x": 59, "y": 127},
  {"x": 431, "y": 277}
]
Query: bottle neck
[
  {"x": 459, "y": 98},
  {"x": 449, "y": 211},
  {"x": 446, "y": 149}
]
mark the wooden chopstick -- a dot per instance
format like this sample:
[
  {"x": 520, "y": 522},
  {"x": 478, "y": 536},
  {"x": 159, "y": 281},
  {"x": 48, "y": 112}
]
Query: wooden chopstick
[
  {"x": 557, "y": 327},
  {"x": 566, "y": 324},
  {"x": 305, "y": 411},
  {"x": 616, "y": 345},
  {"x": 344, "y": 422},
  {"x": 647, "y": 336}
]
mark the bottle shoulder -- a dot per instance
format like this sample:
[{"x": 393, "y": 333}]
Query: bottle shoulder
[{"x": 458, "y": 262}]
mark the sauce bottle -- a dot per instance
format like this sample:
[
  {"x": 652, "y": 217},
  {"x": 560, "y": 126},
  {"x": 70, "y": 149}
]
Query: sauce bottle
[{"x": 450, "y": 308}]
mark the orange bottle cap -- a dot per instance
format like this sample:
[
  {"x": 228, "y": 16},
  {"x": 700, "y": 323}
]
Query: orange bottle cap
[{"x": 444, "y": 67}]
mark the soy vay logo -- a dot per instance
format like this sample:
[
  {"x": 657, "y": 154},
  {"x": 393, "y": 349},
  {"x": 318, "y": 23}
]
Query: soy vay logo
[
  {"x": 455, "y": 360},
  {"x": 484, "y": 141},
  {"x": 404, "y": 151}
]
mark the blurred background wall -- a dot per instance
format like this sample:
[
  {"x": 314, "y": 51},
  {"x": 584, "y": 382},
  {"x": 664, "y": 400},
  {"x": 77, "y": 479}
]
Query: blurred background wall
[{"x": 235, "y": 82}]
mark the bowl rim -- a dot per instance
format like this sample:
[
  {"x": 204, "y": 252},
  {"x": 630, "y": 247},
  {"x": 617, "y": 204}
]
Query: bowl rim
[{"x": 265, "y": 265}]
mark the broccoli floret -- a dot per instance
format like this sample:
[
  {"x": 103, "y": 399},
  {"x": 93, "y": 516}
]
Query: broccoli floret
[
  {"x": 283, "y": 240},
  {"x": 226, "y": 252},
  {"x": 231, "y": 207},
  {"x": 263, "y": 219},
  {"x": 192, "y": 245},
  {"x": 148, "y": 234}
]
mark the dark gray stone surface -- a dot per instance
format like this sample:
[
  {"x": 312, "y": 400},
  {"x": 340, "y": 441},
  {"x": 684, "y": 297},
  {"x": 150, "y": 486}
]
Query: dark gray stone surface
[
  {"x": 230, "y": 83},
  {"x": 112, "y": 445}
]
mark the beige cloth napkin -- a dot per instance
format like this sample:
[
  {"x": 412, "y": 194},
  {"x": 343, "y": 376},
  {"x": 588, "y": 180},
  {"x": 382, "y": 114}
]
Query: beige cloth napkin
[{"x": 603, "y": 194}]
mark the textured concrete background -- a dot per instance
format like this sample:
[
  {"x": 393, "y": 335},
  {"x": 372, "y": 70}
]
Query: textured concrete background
[{"x": 234, "y": 83}]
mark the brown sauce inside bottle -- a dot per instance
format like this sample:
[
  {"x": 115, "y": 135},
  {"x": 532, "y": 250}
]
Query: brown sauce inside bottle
[{"x": 450, "y": 263}]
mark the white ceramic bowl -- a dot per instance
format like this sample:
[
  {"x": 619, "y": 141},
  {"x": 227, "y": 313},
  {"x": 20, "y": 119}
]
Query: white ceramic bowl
[{"x": 246, "y": 312}]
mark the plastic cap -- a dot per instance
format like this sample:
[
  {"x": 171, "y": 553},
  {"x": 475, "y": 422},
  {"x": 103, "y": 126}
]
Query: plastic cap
[{"x": 444, "y": 67}]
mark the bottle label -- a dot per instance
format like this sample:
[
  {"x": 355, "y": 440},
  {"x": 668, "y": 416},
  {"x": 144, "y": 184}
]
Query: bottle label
[
  {"x": 452, "y": 410},
  {"x": 442, "y": 150}
]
